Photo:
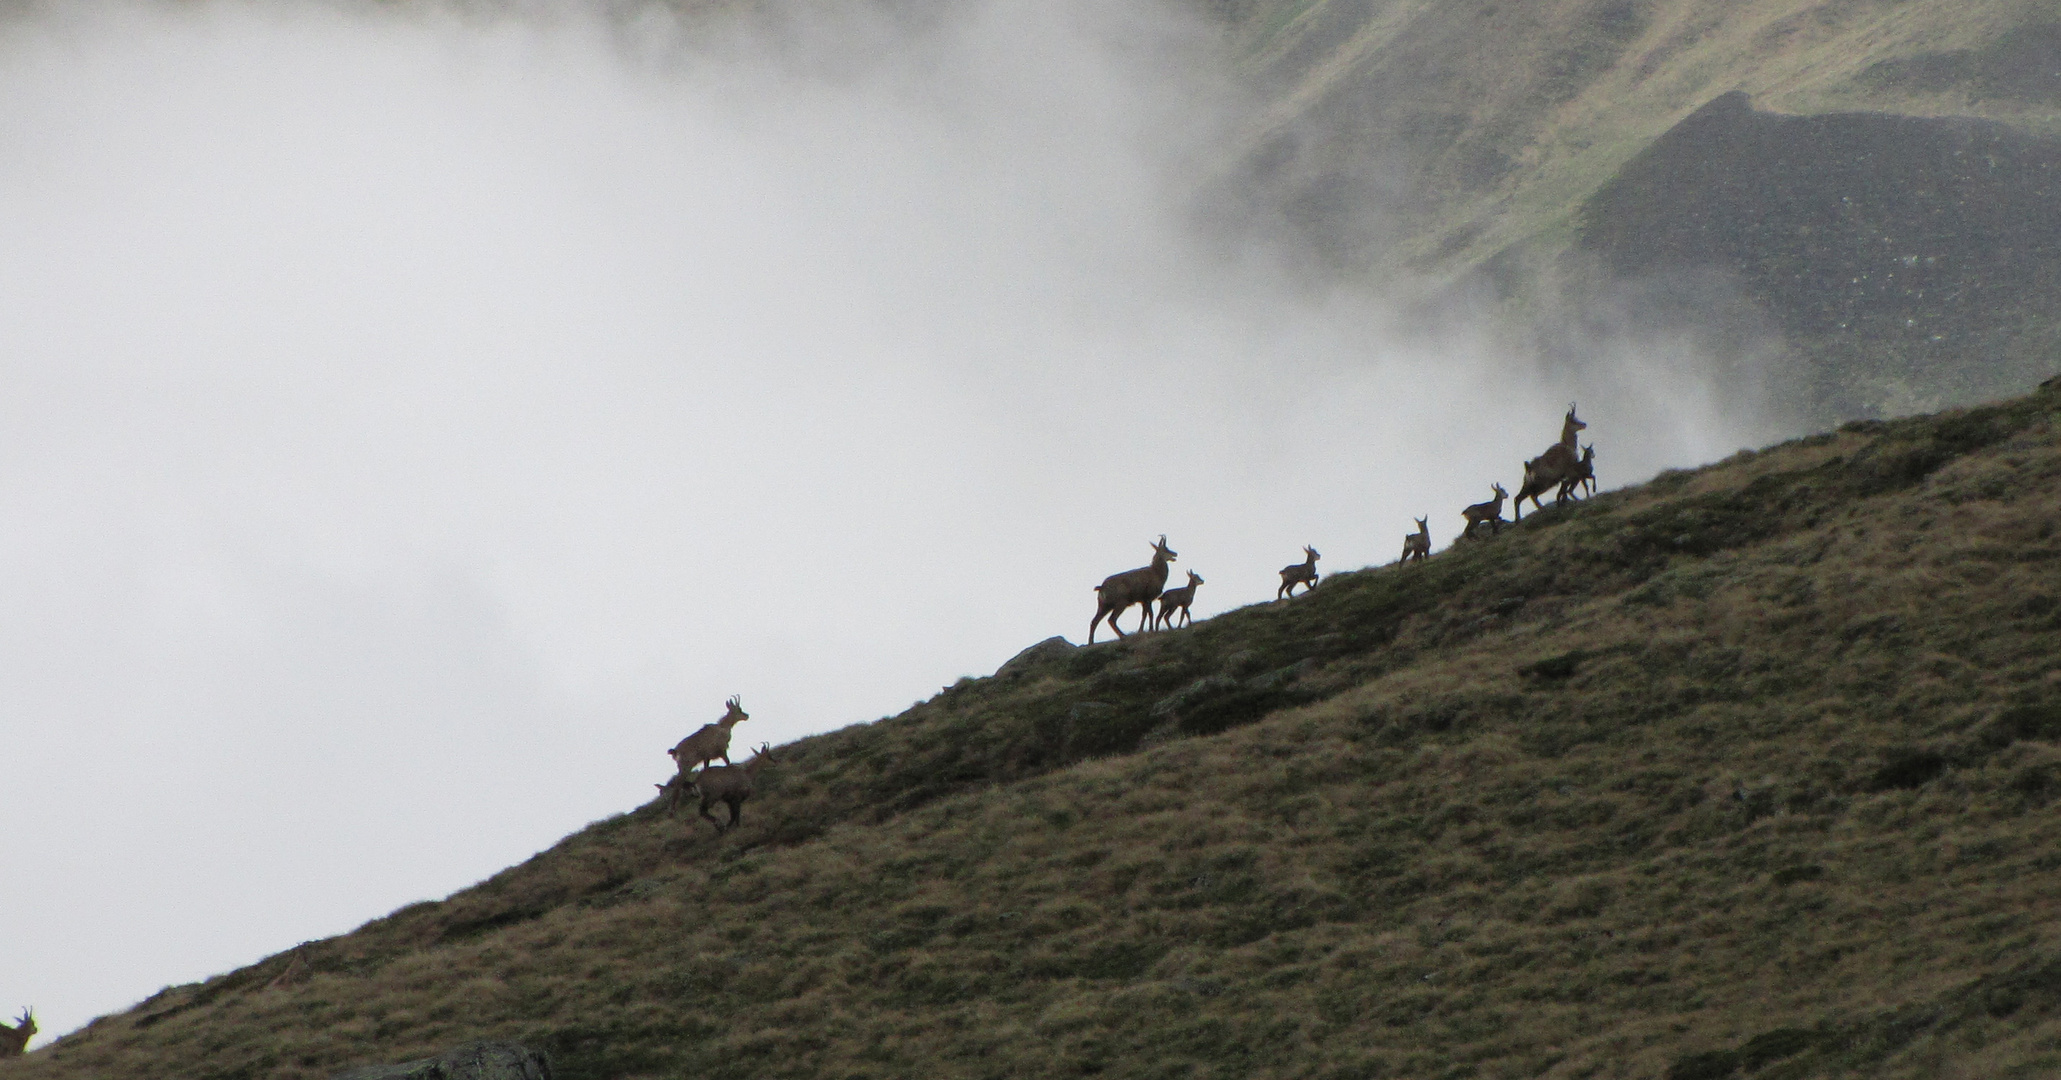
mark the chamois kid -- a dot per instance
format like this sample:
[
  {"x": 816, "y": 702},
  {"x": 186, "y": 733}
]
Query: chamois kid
[
  {"x": 1417, "y": 545},
  {"x": 1174, "y": 600},
  {"x": 1582, "y": 476},
  {"x": 1303, "y": 573},
  {"x": 1490, "y": 511}
]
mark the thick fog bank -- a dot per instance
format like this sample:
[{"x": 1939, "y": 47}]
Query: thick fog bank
[{"x": 412, "y": 421}]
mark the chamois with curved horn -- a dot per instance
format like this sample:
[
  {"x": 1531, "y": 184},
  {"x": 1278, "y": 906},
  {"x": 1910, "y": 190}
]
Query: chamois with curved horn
[
  {"x": 1417, "y": 545},
  {"x": 1543, "y": 473},
  {"x": 1140, "y": 586},
  {"x": 726, "y": 784},
  {"x": 1174, "y": 600},
  {"x": 1490, "y": 511},
  {"x": 711, "y": 742},
  {"x": 1303, "y": 573},
  {"x": 1583, "y": 475},
  {"x": 14, "y": 1041}
]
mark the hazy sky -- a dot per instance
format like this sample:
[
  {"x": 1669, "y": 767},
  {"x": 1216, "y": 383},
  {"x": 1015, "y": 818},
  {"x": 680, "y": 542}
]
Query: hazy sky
[{"x": 412, "y": 423}]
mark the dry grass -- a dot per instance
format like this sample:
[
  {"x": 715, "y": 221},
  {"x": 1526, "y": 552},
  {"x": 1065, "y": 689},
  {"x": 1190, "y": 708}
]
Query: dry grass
[{"x": 1750, "y": 771}]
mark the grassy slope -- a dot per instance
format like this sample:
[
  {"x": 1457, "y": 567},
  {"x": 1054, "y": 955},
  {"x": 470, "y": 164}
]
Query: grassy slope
[
  {"x": 1750, "y": 766},
  {"x": 1512, "y": 114},
  {"x": 1472, "y": 141}
]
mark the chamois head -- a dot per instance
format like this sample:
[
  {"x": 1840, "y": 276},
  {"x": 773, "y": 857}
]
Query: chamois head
[
  {"x": 14, "y": 1041},
  {"x": 1311, "y": 552},
  {"x": 1500, "y": 493},
  {"x": 1160, "y": 550},
  {"x": 1572, "y": 425},
  {"x": 1194, "y": 579},
  {"x": 1423, "y": 524},
  {"x": 734, "y": 712}
]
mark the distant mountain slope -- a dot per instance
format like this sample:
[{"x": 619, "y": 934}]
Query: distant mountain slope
[
  {"x": 1449, "y": 137},
  {"x": 1501, "y": 118},
  {"x": 1902, "y": 252},
  {"x": 1748, "y": 771}
]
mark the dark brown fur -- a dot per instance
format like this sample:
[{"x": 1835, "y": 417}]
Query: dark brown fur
[
  {"x": 1140, "y": 586},
  {"x": 14, "y": 1041}
]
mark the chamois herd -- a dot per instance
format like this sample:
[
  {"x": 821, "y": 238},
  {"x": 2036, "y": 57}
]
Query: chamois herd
[
  {"x": 1560, "y": 469},
  {"x": 698, "y": 777}
]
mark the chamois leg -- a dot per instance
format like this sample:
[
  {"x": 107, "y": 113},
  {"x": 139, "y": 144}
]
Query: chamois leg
[
  {"x": 736, "y": 811},
  {"x": 705, "y": 804},
  {"x": 1100, "y": 610},
  {"x": 1145, "y": 616}
]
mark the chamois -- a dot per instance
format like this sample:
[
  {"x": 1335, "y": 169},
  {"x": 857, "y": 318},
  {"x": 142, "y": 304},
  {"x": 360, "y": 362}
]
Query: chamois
[
  {"x": 1177, "y": 600},
  {"x": 1140, "y": 586},
  {"x": 1490, "y": 511},
  {"x": 727, "y": 784},
  {"x": 1417, "y": 545},
  {"x": 1583, "y": 474},
  {"x": 711, "y": 742},
  {"x": 1303, "y": 573},
  {"x": 14, "y": 1041},
  {"x": 1542, "y": 473}
]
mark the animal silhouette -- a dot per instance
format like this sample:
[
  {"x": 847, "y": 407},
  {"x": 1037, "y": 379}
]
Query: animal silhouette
[
  {"x": 1417, "y": 545},
  {"x": 1303, "y": 573},
  {"x": 1174, "y": 600},
  {"x": 1140, "y": 586}
]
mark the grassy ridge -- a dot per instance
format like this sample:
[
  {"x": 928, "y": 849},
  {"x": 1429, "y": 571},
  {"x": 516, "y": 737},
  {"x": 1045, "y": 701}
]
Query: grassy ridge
[{"x": 1748, "y": 771}]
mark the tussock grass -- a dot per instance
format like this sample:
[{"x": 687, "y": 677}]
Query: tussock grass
[{"x": 1750, "y": 771}]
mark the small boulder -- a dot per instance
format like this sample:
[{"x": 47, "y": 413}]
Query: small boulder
[
  {"x": 1044, "y": 650},
  {"x": 473, "y": 1061}
]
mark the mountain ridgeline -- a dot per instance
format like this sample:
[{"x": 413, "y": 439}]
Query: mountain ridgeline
[{"x": 1747, "y": 771}]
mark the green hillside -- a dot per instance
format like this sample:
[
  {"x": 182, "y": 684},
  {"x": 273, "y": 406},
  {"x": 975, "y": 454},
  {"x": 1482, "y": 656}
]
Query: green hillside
[
  {"x": 1499, "y": 119},
  {"x": 1884, "y": 215},
  {"x": 1747, "y": 771}
]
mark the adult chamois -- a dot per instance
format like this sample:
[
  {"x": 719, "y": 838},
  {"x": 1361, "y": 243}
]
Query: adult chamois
[
  {"x": 1417, "y": 545},
  {"x": 726, "y": 784},
  {"x": 1174, "y": 600},
  {"x": 1583, "y": 475},
  {"x": 1545, "y": 472},
  {"x": 1303, "y": 573},
  {"x": 1140, "y": 586},
  {"x": 711, "y": 742},
  {"x": 14, "y": 1041},
  {"x": 1490, "y": 511}
]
